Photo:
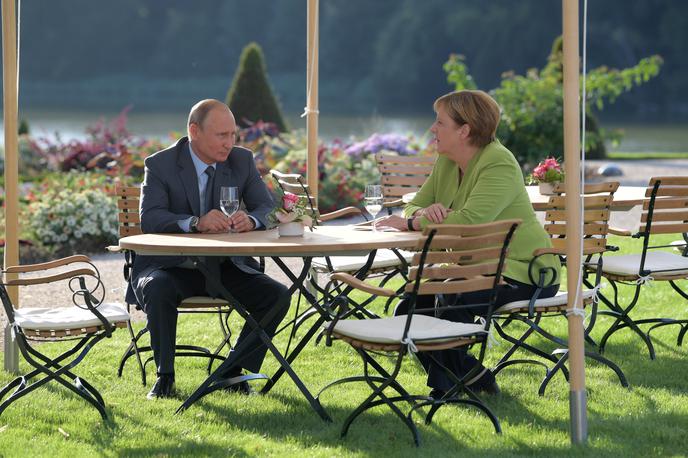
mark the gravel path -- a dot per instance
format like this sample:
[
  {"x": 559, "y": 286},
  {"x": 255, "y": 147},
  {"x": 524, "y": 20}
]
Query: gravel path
[{"x": 635, "y": 173}]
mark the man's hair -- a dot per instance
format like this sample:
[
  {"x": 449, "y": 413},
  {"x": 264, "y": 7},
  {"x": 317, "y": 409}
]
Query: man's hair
[
  {"x": 199, "y": 112},
  {"x": 475, "y": 108}
]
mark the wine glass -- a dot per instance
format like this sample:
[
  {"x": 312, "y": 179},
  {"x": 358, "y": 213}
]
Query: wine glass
[
  {"x": 229, "y": 200},
  {"x": 373, "y": 200}
]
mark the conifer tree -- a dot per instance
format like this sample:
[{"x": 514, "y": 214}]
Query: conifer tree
[{"x": 250, "y": 97}]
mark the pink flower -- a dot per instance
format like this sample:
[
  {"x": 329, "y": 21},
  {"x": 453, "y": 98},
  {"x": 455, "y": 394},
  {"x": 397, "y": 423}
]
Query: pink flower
[
  {"x": 550, "y": 163},
  {"x": 548, "y": 170},
  {"x": 289, "y": 200}
]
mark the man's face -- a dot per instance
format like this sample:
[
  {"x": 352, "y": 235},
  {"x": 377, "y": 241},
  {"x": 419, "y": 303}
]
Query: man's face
[{"x": 213, "y": 141}]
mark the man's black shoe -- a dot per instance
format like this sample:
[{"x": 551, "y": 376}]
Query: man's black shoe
[
  {"x": 491, "y": 389},
  {"x": 436, "y": 393},
  {"x": 241, "y": 388},
  {"x": 163, "y": 387}
]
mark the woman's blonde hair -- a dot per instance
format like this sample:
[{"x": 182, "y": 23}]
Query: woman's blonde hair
[{"x": 475, "y": 108}]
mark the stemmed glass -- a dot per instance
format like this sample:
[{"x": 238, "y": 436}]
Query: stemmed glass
[
  {"x": 229, "y": 201},
  {"x": 373, "y": 200}
]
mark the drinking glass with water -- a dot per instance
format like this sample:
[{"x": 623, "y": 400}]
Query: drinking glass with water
[
  {"x": 373, "y": 200},
  {"x": 229, "y": 200}
]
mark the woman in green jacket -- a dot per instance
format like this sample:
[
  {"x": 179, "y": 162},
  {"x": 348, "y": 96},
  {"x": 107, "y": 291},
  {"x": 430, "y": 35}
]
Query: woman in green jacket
[{"x": 475, "y": 180}]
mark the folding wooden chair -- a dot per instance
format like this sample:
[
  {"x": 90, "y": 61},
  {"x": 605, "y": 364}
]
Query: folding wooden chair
[
  {"x": 665, "y": 211},
  {"x": 130, "y": 224},
  {"x": 597, "y": 201},
  {"x": 386, "y": 265},
  {"x": 86, "y": 324},
  {"x": 451, "y": 259}
]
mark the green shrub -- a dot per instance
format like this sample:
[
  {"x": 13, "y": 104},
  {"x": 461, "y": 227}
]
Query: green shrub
[
  {"x": 532, "y": 104},
  {"x": 250, "y": 97}
]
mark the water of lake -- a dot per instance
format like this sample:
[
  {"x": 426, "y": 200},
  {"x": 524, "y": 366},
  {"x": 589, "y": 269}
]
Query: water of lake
[{"x": 637, "y": 137}]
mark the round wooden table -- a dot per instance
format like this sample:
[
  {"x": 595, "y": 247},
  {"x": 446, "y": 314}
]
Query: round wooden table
[{"x": 322, "y": 241}]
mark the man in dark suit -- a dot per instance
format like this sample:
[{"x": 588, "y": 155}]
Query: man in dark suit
[{"x": 180, "y": 193}]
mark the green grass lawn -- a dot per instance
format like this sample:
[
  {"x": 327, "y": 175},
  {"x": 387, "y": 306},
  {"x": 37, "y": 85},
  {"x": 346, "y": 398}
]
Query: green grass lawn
[{"x": 649, "y": 419}]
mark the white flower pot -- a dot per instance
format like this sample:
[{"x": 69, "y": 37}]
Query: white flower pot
[
  {"x": 293, "y": 229},
  {"x": 547, "y": 189}
]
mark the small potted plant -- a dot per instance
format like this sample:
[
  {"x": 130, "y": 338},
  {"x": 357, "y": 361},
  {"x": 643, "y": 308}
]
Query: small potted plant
[
  {"x": 547, "y": 175},
  {"x": 291, "y": 215}
]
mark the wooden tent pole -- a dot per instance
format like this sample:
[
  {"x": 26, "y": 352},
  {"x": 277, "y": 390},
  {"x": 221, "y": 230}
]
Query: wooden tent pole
[
  {"x": 312, "y": 102},
  {"x": 577, "y": 395},
  {"x": 10, "y": 113}
]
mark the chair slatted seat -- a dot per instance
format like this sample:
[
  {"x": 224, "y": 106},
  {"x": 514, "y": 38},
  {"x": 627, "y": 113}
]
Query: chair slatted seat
[
  {"x": 130, "y": 224},
  {"x": 596, "y": 203},
  {"x": 85, "y": 324},
  {"x": 664, "y": 211},
  {"x": 471, "y": 265}
]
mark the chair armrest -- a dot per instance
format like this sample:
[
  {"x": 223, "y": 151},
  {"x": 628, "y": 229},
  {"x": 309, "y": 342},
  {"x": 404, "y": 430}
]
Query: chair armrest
[
  {"x": 361, "y": 285},
  {"x": 340, "y": 213},
  {"x": 562, "y": 252},
  {"x": 51, "y": 278},
  {"x": 48, "y": 265},
  {"x": 622, "y": 232},
  {"x": 393, "y": 203},
  {"x": 542, "y": 251},
  {"x": 114, "y": 249}
]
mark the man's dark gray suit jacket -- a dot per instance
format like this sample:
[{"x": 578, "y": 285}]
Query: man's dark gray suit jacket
[{"x": 170, "y": 193}]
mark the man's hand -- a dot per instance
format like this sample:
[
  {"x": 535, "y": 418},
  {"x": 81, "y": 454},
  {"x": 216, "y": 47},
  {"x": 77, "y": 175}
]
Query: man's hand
[
  {"x": 435, "y": 213},
  {"x": 392, "y": 221},
  {"x": 241, "y": 222},
  {"x": 214, "y": 222}
]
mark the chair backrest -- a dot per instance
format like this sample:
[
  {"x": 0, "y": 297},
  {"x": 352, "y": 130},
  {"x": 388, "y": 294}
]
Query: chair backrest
[
  {"x": 597, "y": 201},
  {"x": 402, "y": 174},
  {"x": 454, "y": 259},
  {"x": 295, "y": 184},
  {"x": 128, "y": 198},
  {"x": 665, "y": 209}
]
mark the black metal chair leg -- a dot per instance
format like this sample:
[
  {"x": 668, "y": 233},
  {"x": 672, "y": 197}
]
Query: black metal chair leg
[
  {"x": 681, "y": 335},
  {"x": 437, "y": 404},
  {"x": 370, "y": 403},
  {"x": 133, "y": 349}
]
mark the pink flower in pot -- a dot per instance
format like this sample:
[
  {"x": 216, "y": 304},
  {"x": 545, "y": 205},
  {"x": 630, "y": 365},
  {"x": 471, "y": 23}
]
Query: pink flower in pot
[{"x": 289, "y": 201}]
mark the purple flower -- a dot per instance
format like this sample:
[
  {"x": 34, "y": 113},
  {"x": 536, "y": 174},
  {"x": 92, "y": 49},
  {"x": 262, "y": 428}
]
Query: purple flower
[{"x": 379, "y": 142}]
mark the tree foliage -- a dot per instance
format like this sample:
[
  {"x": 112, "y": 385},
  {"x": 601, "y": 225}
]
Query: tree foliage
[
  {"x": 375, "y": 56},
  {"x": 250, "y": 97},
  {"x": 532, "y": 104}
]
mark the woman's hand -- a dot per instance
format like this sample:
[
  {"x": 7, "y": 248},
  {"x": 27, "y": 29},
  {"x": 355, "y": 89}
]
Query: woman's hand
[
  {"x": 392, "y": 221},
  {"x": 435, "y": 213}
]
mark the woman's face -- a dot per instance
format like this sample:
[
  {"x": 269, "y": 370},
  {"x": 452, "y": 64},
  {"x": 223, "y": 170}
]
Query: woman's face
[{"x": 449, "y": 136}]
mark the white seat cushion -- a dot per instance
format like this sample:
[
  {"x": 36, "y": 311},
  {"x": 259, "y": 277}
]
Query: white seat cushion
[
  {"x": 383, "y": 259},
  {"x": 390, "y": 330},
  {"x": 558, "y": 300},
  {"x": 59, "y": 319},
  {"x": 658, "y": 262}
]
